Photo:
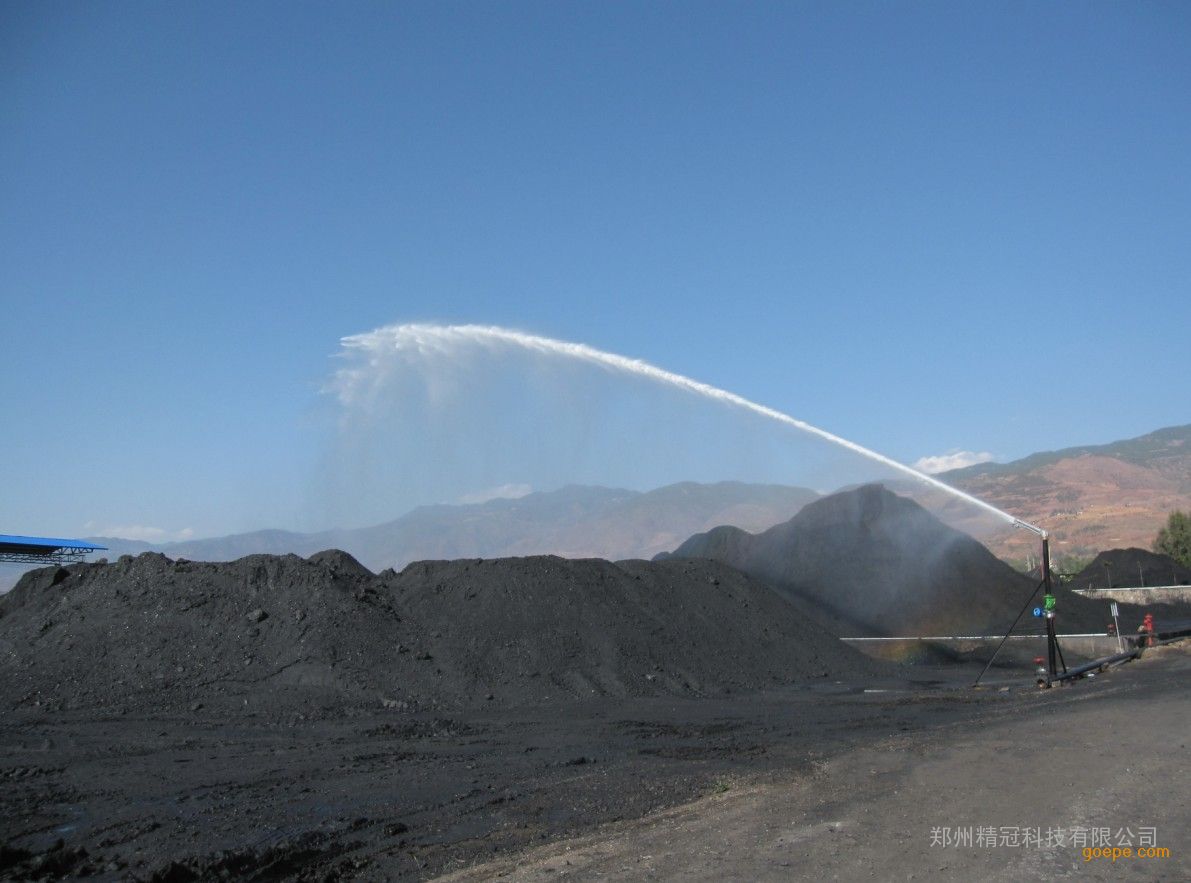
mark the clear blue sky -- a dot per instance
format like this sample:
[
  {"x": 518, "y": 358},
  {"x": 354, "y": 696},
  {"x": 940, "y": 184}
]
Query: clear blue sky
[{"x": 925, "y": 226}]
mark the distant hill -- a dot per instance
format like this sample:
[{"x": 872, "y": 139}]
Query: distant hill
[
  {"x": 1090, "y": 498},
  {"x": 574, "y": 522},
  {"x": 1165, "y": 451}
]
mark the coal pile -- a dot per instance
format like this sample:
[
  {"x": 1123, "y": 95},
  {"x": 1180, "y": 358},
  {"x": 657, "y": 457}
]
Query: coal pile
[
  {"x": 1131, "y": 568},
  {"x": 292, "y": 636},
  {"x": 879, "y": 564}
]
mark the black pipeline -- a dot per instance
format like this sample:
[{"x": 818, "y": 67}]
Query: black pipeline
[{"x": 1097, "y": 664}]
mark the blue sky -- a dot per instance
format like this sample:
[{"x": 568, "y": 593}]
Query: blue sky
[{"x": 927, "y": 227}]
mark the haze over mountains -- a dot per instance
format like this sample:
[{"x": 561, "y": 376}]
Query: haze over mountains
[{"x": 573, "y": 522}]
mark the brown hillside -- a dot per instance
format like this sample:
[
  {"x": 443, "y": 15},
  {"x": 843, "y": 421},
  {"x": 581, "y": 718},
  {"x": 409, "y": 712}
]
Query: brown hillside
[{"x": 1090, "y": 499}]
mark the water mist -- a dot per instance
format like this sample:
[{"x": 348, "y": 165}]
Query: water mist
[{"x": 372, "y": 352}]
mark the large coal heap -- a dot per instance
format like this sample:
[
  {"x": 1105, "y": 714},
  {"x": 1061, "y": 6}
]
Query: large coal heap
[
  {"x": 1131, "y": 568},
  {"x": 880, "y": 564},
  {"x": 320, "y": 635}
]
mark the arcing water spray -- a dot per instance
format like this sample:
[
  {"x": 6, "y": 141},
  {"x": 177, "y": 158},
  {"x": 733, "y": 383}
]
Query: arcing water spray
[{"x": 416, "y": 340}]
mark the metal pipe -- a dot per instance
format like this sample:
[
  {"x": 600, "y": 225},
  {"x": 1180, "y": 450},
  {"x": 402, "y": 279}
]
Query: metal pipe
[
  {"x": 1097, "y": 663},
  {"x": 1046, "y": 577},
  {"x": 1051, "y": 642},
  {"x": 1171, "y": 635},
  {"x": 1025, "y": 525}
]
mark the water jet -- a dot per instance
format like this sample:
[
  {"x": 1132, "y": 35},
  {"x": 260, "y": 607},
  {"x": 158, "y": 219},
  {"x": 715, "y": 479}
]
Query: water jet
[{"x": 414, "y": 340}]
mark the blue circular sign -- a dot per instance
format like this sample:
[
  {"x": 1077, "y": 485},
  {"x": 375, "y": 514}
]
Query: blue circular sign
[{"x": 1037, "y": 611}]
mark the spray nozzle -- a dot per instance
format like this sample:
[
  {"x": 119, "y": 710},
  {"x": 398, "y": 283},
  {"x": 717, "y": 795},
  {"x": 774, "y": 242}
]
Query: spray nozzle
[{"x": 1033, "y": 528}]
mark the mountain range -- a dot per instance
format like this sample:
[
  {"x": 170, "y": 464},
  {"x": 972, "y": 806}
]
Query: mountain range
[
  {"x": 1091, "y": 498},
  {"x": 573, "y": 522}
]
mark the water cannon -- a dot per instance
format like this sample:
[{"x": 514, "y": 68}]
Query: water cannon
[
  {"x": 1048, "y": 606},
  {"x": 1048, "y": 666},
  {"x": 1032, "y": 528}
]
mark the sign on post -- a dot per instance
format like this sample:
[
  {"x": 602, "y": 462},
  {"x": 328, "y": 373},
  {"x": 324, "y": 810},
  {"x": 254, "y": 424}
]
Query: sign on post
[{"x": 1117, "y": 624}]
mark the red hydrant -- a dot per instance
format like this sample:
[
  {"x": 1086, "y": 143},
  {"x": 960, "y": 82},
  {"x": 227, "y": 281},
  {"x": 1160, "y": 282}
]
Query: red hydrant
[{"x": 1147, "y": 628}]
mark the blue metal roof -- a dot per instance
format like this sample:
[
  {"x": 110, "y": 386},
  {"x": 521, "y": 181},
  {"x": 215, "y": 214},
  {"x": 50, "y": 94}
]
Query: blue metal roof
[{"x": 48, "y": 543}]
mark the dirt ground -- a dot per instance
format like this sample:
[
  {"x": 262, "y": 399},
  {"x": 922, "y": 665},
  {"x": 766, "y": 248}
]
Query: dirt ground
[
  {"x": 828, "y": 779},
  {"x": 1098, "y": 759}
]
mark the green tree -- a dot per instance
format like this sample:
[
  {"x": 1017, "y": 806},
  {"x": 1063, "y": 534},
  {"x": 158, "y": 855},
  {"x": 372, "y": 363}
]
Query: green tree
[
  {"x": 1072, "y": 564},
  {"x": 1175, "y": 539}
]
